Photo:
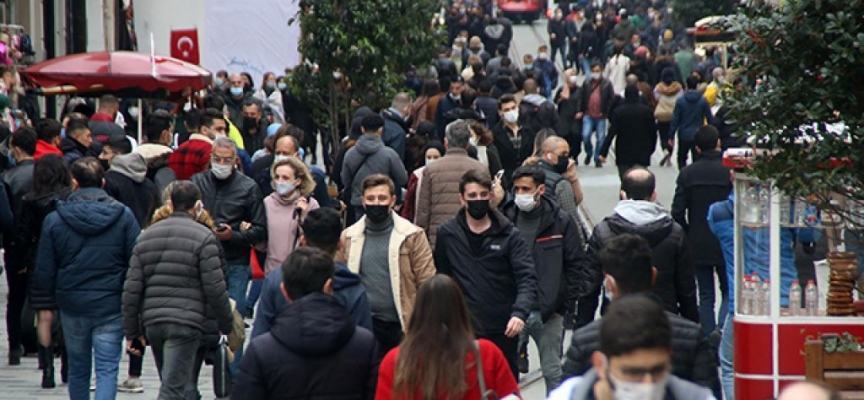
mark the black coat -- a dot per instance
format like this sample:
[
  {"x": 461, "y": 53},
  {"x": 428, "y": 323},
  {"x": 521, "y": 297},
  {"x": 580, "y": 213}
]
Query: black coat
[
  {"x": 512, "y": 158},
  {"x": 607, "y": 96},
  {"x": 314, "y": 351},
  {"x": 633, "y": 127},
  {"x": 142, "y": 198},
  {"x": 559, "y": 28},
  {"x": 699, "y": 185},
  {"x": 676, "y": 282},
  {"x": 692, "y": 357},
  {"x": 232, "y": 201},
  {"x": 568, "y": 125},
  {"x": 28, "y": 225},
  {"x": 498, "y": 279},
  {"x": 17, "y": 181},
  {"x": 557, "y": 253}
]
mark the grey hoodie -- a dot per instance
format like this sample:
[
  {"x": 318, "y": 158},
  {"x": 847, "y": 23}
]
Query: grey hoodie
[
  {"x": 132, "y": 165},
  {"x": 369, "y": 156}
]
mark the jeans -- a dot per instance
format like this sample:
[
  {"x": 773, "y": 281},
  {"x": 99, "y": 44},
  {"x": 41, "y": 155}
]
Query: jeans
[
  {"x": 252, "y": 297},
  {"x": 586, "y": 64},
  {"x": 88, "y": 339},
  {"x": 705, "y": 280},
  {"x": 589, "y": 126},
  {"x": 389, "y": 334},
  {"x": 727, "y": 358},
  {"x": 238, "y": 280},
  {"x": 174, "y": 348},
  {"x": 548, "y": 337}
]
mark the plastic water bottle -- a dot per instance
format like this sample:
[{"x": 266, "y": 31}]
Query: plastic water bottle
[
  {"x": 795, "y": 298},
  {"x": 746, "y": 297},
  {"x": 751, "y": 204},
  {"x": 764, "y": 204},
  {"x": 811, "y": 298},
  {"x": 765, "y": 293},
  {"x": 755, "y": 294}
]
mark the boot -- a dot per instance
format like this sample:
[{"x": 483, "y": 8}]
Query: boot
[
  {"x": 46, "y": 357},
  {"x": 64, "y": 366},
  {"x": 15, "y": 352}
]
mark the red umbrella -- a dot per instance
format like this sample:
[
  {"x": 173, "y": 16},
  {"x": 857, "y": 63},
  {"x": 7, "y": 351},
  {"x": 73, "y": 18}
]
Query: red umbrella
[{"x": 115, "y": 71}]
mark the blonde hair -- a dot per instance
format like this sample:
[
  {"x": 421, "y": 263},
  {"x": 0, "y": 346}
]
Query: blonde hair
[
  {"x": 301, "y": 172},
  {"x": 163, "y": 212}
]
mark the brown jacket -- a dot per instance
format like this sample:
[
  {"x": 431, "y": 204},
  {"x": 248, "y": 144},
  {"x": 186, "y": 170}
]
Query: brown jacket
[
  {"x": 438, "y": 194},
  {"x": 432, "y": 106},
  {"x": 410, "y": 260}
]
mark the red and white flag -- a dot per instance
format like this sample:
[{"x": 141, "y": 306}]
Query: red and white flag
[{"x": 184, "y": 45}]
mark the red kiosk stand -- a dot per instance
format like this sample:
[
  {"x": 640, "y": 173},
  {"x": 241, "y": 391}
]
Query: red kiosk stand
[{"x": 769, "y": 338}]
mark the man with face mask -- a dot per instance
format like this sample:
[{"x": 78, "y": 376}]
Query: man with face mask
[
  {"x": 633, "y": 361},
  {"x": 628, "y": 270},
  {"x": 235, "y": 97},
  {"x": 546, "y": 72},
  {"x": 232, "y": 198},
  {"x": 556, "y": 247},
  {"x": 392, "y": 257},
  {"x": 514, "y": 140},
  {"x": 487, "y": 256},
  {"x": 254, "y": 128},
  {"x": 557, "y": 30},
  {"x": 597, "y": 98},
  {"x": 562, "y": 182},
  {"x": 452, "y": 100}
]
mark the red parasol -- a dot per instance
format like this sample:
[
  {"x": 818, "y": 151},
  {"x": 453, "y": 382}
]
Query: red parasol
[{"x": 114, "y": 72}]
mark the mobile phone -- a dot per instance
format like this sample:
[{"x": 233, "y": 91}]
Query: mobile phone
[{"x": 498, "y": 175}]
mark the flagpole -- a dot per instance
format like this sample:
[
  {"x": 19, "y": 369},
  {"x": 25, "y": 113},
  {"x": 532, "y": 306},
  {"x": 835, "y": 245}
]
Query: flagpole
[{"x": 152, "y": 55}]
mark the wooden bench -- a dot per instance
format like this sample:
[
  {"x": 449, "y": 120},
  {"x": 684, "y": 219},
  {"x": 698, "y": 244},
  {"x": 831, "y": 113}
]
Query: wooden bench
[{"x": 842, "y": 371}]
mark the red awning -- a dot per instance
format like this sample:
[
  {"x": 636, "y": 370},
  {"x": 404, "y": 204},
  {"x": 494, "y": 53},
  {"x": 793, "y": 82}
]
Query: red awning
[{"x": 117, "y": 71}]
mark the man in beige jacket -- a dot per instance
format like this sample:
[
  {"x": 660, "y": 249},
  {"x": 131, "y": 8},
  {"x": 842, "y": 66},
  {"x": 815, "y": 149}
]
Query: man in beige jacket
[
  {"x": 438, "y": 195},
  {"x": 392, "y": 257}
]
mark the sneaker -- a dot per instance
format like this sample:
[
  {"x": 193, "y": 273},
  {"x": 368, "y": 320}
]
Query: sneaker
[
  {"x": 131, "y": 385},
  {"x": 598, "y": 164},
  {"x": 587, "y": 159}
]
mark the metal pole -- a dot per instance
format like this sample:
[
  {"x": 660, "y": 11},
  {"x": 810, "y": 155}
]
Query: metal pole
[{"x": 138, "y": 122}]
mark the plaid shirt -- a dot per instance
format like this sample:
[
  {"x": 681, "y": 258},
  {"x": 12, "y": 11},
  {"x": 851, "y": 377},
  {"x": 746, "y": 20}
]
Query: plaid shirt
[{"x": 191, "y": 157}]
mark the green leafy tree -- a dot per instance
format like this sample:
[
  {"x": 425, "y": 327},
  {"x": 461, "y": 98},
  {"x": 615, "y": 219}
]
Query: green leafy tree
[
  {"x": 807, "y": 109},
  {"x": 687, "y": 12},
  {"x": 355, "y": 53}
]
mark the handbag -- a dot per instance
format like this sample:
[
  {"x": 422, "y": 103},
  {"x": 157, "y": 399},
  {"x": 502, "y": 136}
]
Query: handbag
[
  {"x": 257, "y": 271},
  {"x": 481, "y": 380}
]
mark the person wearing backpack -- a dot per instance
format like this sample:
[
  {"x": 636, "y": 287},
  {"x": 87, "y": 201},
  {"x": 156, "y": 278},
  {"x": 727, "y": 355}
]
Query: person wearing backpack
[{"x": 667, "y": 93}]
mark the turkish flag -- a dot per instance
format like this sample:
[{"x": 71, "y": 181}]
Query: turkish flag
[{"x": 184, "y": 45}]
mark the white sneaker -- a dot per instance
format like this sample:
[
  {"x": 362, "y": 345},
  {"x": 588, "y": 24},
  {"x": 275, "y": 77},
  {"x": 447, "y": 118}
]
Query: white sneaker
[{"x": 131, "y": 385}]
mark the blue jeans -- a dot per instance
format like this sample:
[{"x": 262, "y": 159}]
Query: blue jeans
[
  {"x": 586, "y": 64},
  {"x": 238, "y": 280},
  {"x": 589, "y": 126},
  {"x": 88, "y": 339},
  {"x": 705, "y": 280},
  {"x": 727, "y": 357},
  {"x": 254, "y": 294}
]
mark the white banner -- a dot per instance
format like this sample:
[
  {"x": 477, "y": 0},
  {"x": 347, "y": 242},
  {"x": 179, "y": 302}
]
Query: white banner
[{"x": 251, "y": 36}]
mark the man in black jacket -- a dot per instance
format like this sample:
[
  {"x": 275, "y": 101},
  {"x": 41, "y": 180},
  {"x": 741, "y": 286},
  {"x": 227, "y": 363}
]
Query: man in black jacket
[
  {"x": 627, "y": 267},
  {"x": 701, "y": 184},
  {"x": 638, "y": 213},
  {"x": 232, "y": 198},
  {"x": 174, "y": 274},
  {"x": 17, "y": 181},
  {"x": 635, "y": 133},
  {"x": 487, "y": 256},
  {"x": 126, "y": 181},
  {"x": 314, "y": 350},
  {"x": 513, "y": 138},
  {"x": 556, "y": 247}
]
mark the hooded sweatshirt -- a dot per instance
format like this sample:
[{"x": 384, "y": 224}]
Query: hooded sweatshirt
[
  {"x": 691, "y": 112},
  {"x": 676, "y": 283},
  {"x": 370, "y": 156},
  {"x": 126, "y": 181}
]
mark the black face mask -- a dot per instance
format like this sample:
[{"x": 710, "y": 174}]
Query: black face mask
[
  {"x": 478, "y": 209},
  {"x": 105, "y": 164},
  {"x": 561, "y": 166},
  {"x": 249, "y": 123},
  {"x": 377, "y": 214}
]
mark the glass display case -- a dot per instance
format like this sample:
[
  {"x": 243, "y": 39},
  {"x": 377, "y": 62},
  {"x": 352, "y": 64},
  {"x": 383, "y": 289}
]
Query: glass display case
[{"x": 787, "y": 289}]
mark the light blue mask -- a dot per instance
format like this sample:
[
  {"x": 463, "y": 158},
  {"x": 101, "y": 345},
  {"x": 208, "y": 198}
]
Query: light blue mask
[
  {"x": 282, "y": 86},
  {"x": 236, "y": 91}
]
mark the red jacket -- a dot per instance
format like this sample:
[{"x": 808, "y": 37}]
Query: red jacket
[
  {"x": 43, "y": 148},
  {"x": 495, "y": 370},
  {"x": 192, "y": 157}
]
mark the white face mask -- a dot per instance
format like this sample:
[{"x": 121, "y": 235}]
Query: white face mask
[
  {"x": 525, "y": 202},
  {"x": 511, "y": 116},
  {"x": 285, "y": 188},
  {"x": 543, "y": 56},
  {"x": 473, "y": 141},
  {"x": 429, "y": 161},
  {"x": 220, "y": 171},
  {"x": 573, "y": 80},
  {"x": 279, "y": 157},
  {"x": 596, "y": 76},
  {"x": 133, "y": 112},
  {"x": 637, "y": 390}
]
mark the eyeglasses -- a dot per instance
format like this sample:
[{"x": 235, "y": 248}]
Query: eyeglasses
[{"x": 222, "y": 160}]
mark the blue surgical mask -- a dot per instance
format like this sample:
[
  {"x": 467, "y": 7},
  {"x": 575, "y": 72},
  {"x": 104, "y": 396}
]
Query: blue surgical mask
[
  {"x": 236, "y": 91},
  {"x": 218, "y": 82},
  {"x": 270, "y": 85},
  {"x": 282, "y": 86},
  {"x": 301, "y": 153}
]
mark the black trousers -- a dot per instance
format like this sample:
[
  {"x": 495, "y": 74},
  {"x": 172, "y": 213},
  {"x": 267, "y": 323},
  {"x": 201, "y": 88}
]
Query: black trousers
[
  {"x": 389, "y": 334},
  {"x": 559, "y": 48},
  {"x": 684, "y": 147},
  {"x": 663, "y": 130},
  {"x": 586, "y": 307},
  {"x": 508, "y": 346},
  {"x": 17, "y": 296}
]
